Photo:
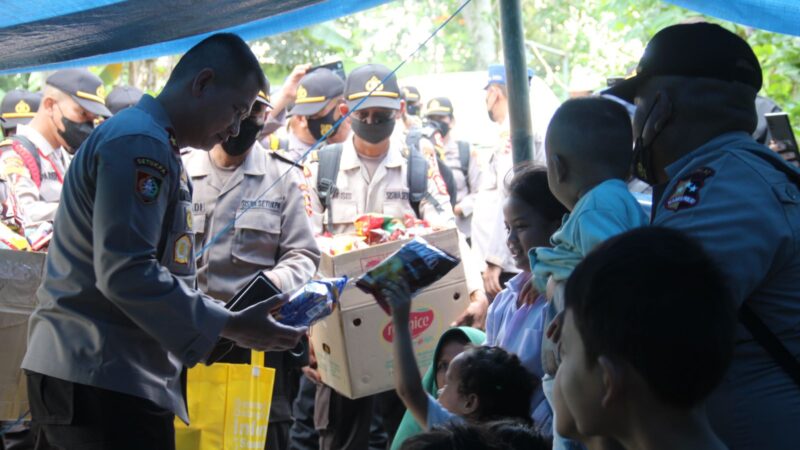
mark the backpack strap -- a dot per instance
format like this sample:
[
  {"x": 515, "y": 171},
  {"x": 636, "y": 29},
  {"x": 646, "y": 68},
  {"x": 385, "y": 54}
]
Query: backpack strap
[
  {"x": 329, "y": 158},
  {"x": 748, "y": 317},
  {"x": 29, "y": 154},
  {"x": 463, "y": 159}
]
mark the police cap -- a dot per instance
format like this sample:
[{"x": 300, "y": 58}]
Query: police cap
[
  {"x": 122, "y": 97},
  {"x": 439, "y": 106},
  {"x": 315, "y": 90},
  {"x": 411, "y": 94},
  {"x": 366, "y": 81},
  {"x": 702, "y": 50},
  {"x": 18, "y": 107},
  {"x": 84, "y": 87}
]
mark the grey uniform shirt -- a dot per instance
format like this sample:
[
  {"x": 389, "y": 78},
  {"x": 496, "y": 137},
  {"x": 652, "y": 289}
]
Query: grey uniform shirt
[
  {"x": 117, "y": 308},
  {"x": 274, "y": 235},
  {"x": 40, "y": 202},
  {"x": 467, "y": 184}
]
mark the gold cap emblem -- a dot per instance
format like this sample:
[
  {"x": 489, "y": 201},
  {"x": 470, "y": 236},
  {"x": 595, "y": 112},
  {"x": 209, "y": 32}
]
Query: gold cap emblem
[
  {"x": 301, "y": 92},
  {"x": 22, "y": 107},
  {"x": 373, "y": 84},
  {"x": 101, "y": 91},
  {"x": 434, "y": 104}
]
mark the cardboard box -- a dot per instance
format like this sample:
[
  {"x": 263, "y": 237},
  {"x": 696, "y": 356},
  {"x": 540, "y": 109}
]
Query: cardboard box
[
  {"x": 20, "y": 276},
  {"x": 353, "y": 345}
]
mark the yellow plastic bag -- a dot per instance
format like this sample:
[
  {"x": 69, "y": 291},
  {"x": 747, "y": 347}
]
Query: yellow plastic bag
[{"x": 228, "y": 406}]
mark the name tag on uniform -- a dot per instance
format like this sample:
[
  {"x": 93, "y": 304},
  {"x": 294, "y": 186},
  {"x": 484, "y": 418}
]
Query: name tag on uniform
[
  {"x": 343, "y": 195},
  {"x": 273, "y": 206},
  {"x": 397, "y": 195},
  {"x": 198, "y": 208}
]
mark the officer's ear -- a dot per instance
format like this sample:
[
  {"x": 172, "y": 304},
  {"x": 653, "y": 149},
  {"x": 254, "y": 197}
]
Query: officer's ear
[
  {"x": 48, "y": 105},
  {"x": 201, "y": 81},
  {"x": 343, "y": 109},
  {"x": 402, "y": 111}
]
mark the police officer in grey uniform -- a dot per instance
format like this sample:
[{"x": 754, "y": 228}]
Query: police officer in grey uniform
[
  {"x": 35, "y": 160},
  {"x": 271, "y": 233},
  {"x": 460, "y": 158},
  {"x": 315, "y": 112},
  {"x": 18, "y": 108},
  {"x": 118, "y": 313},
  {"x": 695, "y": 89}
]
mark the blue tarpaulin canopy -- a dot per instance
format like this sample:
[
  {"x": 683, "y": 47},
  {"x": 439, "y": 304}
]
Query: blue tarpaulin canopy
[{"x": 40, "y": 35}]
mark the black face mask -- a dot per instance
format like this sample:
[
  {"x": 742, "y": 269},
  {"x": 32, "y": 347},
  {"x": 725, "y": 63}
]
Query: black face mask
[
  {"x": 318, "y": 127},
  {"x": 241, "y": 143},
  {"x": 643, "y": 153},
  {"x": 412, "y": 109},
  {"x": 74, "y": 132},
  {"x": 375, "y": 132},
  {"x": 442, "y": 126}
]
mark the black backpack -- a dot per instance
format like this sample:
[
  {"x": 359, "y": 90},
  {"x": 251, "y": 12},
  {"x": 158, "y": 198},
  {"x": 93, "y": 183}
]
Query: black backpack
[
  {"x": 412, "y": 141},
  {"x": 329, "y": 158}
]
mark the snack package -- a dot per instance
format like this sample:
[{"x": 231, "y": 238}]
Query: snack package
[
  {"x": 341, "y": 243},
  {"x": 12, "y": 241},
  {"x": 40, "y": 237},
  {"x": 418, "y": 262},
  {"x": 314, "y": 301},
  {"x": 368, "y": 222}
]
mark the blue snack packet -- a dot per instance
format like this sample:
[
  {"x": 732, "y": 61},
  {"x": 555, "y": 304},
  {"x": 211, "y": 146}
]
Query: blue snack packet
[{"x": 314, "y": 301}]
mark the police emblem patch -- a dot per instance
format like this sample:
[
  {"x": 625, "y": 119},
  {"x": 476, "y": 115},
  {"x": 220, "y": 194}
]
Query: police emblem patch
[
  {"x": 183, "y": 250},
  {"x": 687, "y": 192},
  {"x": 147, "y": 186}
]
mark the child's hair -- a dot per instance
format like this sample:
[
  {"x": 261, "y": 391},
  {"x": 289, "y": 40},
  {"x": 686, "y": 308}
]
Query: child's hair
[
  {"x": 503, "y": 386},
  {"x": 528, "y": 182},
  {"x": 451, "y": 436},
  {"x": 653, "y": 298},
  {"x": 595, "y": 132},
  {"x": 515, "y": 435}
]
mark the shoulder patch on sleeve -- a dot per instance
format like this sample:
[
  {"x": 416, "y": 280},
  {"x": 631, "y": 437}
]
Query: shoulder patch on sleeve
[
  {"x": 687, "y": 191},
  {"x": 148, "y": 186}
]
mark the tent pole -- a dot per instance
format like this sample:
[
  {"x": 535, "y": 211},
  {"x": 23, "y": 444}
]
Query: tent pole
[{"x": 516, "y": 80}]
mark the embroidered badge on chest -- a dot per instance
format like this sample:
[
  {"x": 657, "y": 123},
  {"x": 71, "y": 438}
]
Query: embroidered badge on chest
[
  {"x": 183, "y": 250},
  {"x": 687, "y": 192},
  {"x": 147, "y": 186}
]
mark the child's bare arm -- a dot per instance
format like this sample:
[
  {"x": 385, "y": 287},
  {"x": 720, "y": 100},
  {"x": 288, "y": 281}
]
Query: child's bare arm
[{"x": 407, "y": 378}]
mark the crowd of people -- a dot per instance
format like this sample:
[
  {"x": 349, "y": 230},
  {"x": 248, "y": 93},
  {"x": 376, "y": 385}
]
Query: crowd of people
[{"x": 635, "y": 286}]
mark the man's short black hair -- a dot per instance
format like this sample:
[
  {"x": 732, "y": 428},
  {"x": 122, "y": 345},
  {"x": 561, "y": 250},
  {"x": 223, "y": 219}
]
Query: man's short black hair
[
  {"x": 227, "y": 55},
  {"x": 596, "y": 130},
  {"x": 516, "y": 435},
  {"x": 654, "y": 299}
]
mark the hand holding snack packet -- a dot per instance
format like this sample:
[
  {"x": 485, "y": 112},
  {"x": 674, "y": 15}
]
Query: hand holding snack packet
[
  {"x": 314, "y": 301},
  {"x": 417, "y": 262}
]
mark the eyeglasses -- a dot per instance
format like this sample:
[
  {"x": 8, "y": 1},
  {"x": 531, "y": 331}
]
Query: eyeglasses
[{"x": 375, "y": 116}]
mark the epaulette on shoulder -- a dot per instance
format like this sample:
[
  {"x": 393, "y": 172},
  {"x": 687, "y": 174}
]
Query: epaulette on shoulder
[{"x": 281, "y": 156}]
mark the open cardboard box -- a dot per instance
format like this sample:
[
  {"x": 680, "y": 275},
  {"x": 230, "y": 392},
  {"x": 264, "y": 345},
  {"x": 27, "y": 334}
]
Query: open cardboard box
[
  {"x": 20, "y": 276},
  {"x": 353, "y": 346}
]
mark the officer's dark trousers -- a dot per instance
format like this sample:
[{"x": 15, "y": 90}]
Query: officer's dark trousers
[
  {"x": 303, "y": 435},
  {"x": 361, "y": 424},
  {"x": 72, "y": 416}
]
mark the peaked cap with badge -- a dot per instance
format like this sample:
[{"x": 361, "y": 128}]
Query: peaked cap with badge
[
  {"x": 315, "y": 90},
  {"x": 18, "y": 107},
  {"x": 367, "y": 81},
  {"x": 84, "y": 87}
]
